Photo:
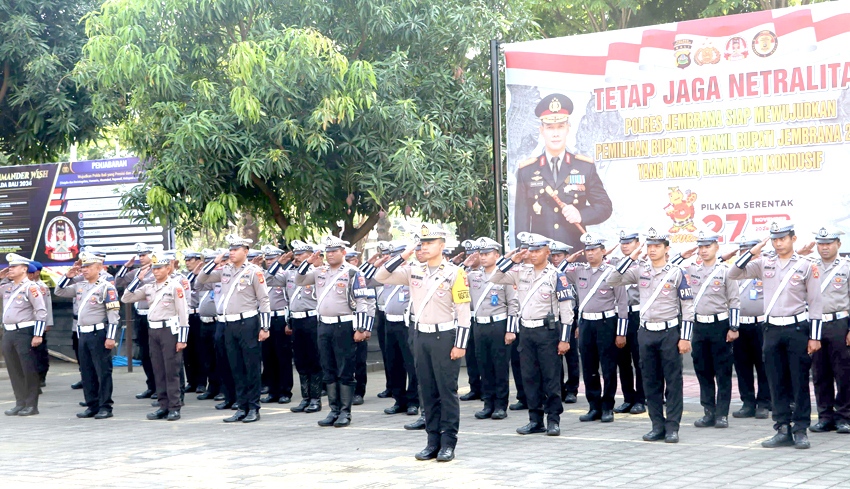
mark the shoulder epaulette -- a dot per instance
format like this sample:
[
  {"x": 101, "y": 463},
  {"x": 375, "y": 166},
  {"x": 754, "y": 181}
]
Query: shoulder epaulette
[
  {"x": 527, "y": 162},
  {"x": 584, "y": 158}
]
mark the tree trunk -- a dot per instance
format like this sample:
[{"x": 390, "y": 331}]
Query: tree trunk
[
  {"x": 249, "y": 228},
  {"x": 384, "y": 228},
  {"x": 353, "y": 235}
]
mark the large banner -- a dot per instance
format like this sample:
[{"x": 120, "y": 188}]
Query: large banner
[
  {"x": 52, "y": 212},
  {"x": 723, "y": 124}
]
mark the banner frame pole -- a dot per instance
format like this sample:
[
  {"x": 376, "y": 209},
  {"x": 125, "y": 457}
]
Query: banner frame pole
[{"x": 495, "y": 83}]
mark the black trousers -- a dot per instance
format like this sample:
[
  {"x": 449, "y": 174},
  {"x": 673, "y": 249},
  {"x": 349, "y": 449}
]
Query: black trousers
[
  {"x": 96, "y": 370},
  {"x": 337, "y": 352},
  {"x": 21, "y": 364},
  {"x": 713, "y": 363},
  {"x": 379, "y": 329},
  {"x": 471, "y": 356},
  {"x": 361, "y": 351},
  {"x": 222, "y": 364},
  {"x": 787, "y": 363},
  {"x": 400, "y": 364},
  {"x": 437, "y": 374},
  {"x": 628, "y": 363},
  {"x": 493, "y": 363},
  {"x": 569, "y": 384},
  {"x": 191, "y": 354},
  {"x": 167, "y": 362},
  {"x": 538, "y": 352},
  {"x": 141, "y": 327},
  {"x": 831, "y": 369},
  {"x": 596, "y": 342},
  {"x": 516, "y": 369},
  {"x": 241, "y": 338},
  {"x": 661, "y": 365},
  {"x": 277, "y": 359},
  {"x": 305, "y": 345},
  {"x": 42, "y": 358},
  {"x": 747, "y": 351},
  {"x": 207, "y": 374}
]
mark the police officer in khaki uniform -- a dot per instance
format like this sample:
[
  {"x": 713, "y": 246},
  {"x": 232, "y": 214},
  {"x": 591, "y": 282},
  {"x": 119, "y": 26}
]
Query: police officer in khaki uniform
[
  {"x": 79, "y": 278},
  {"x": 346, "y": 309},
  {"x": 209, "y": 365},
  {"x": 664, "y": 295},
  {"x": 791, "y": 283},
  {"x": 41, "y": 355},
  {"x": 361, "y": 348},
  {"x": 244, "y": 315},
  {"x": 195, "y": 376},
  {"x": 545, "y": 314},
  {"x": 602, "y": 316},
  {"x": 471, "y": 263},
  {"x": 716, "y": 308},
  {"x": 98, "y": 318},
  {"x": 168, "y": 320},
  {"x": 277, "y": 352},
  {"x": 493, "y": 307},
  {"x": 24, "y": 319},
  {"x": 140, "y": 314},
  {"x": 439, "y": 296}
]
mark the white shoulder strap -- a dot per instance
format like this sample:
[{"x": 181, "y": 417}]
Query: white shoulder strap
[
  {"x": 484, "y": 293},
  {"x": 645, "y": 307},
  {"x": 782, "y": 285},
  {"x": 12, "y": 297},
  {"x": 429, "y": 294},
  {"x": 828, "y": 277},
  {"x": 705, "y": 285},
  {"x": 536, "y": 285},
  {"x": 230, "y": 291},
  {"x": 88, "y": 296},
  {"x": 593, "y": 289},
  {"x": 330, "y": 286}
]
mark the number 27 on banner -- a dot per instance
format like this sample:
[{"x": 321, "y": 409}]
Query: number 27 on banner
[{"x": 732, "y": 225}]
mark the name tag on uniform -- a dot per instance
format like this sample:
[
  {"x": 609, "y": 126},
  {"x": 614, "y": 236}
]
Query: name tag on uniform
[{"x": 753, "y": 294}]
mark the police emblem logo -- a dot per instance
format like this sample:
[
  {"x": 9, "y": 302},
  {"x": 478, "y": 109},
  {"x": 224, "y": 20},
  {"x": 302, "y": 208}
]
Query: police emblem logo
[
  {"x": 707, "y": 54},
  {"x": 736, "y": 49},
  {"x": 651, "y": 233},
  {"x": 822, "y": 233},
  {"x": 682, "y": 50},
  {"x": 765, "y": 43},
  {"x": 701, "y": 235},
  {"x": 774, "y": 227},
  {"x": 425, "y": 231},
  {"x": 555, "y": 105},
  {"x": 587, "y": 239}
]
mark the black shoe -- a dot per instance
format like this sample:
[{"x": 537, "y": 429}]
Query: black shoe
[
  {"x": 78, "y": 385},
  {"x": 42, "y": 384},
  {"x": 201, "y": 389},
  {"x": 145, "y": 395},
  {"x": 224, "y": 405},
  {"x": 842, "y": 427},
  {"x": 220, "y": 396},
  {"x": 531, "y": 428},
  {"x": 154, "y": 403},
  {"x": 518, "y": 406},
  {"x": 173, "y": 415},
  {"x": 419, "y": 424},
  {"x": 32, "y": 411},
  {"x": 264, "y": 390},
  {"x": 329, "y": 420},
  {"x": 762, "y": 413},
  {"x": 499, "y": 414},
  {"x": 570, "y": 398},
  {"x": 314, "y": 407},
  {"x": 206, "y": 395},
  {"x": 744, "y": 412},
  {"x": 158, "y": 414},
  {"x": 103, "y": 414},
  {"x": 484, "y": 413},
  {"x": 471, "y": 396},
  {"x": 782, "y": 438},
  {"x": 252, "y": 416},
  {"x": 239, "y": 415},
  {"x": 154, "y": 396},
  {"x": 284, "y": 400},
  {"x": 705, "y": 422},
  {"x": 447, "y": 454},
  {"x": 384, "y": 394},
  {"x": 88, "y": 413},
  {"x": 672, "y": 437},
  {"x": 235, "y": 406},
  {"x": 801, "y": 439},
  {"x": 553, "y": 429},
  {"x": 592, "y": 415},
  {"x": 357, "y": 400},
  {"x": 269, "y": 398},
  {"x": 623, "y": 408},
  {"x": 14, "y": 411},
  {"x": 722, "y": 422},
  {"x": 324, "y": 392},
  {"x": 654, "y": 435},
  {"x": 823, "y": 427},
  {"x": 301, "y": 406},
  {"x": 83, "y": 404},
  {"x": 343, "y": 420},
  {"x": 607, "y": 417},
  {"x": 428, "y": 453},
  {"x": 394, "y": 409},
  {"x": 638, "y": 408},
  {"x": 413, "y": 411},
  {"x": 190, "y": 388}
]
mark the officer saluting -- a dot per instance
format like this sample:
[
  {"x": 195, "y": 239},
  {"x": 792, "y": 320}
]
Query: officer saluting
[
  {"x": 24, "y": 316},
  {"x": 545, "y": 315},
  {"x": 439, "y": 300},
  {"x": 792, "y": 334},
  {"x": 559, "y": 193},
  {"x": 634, "y": 400},
  {"x": 98, "y": 317},
  {"x": 664, "y": 294}
]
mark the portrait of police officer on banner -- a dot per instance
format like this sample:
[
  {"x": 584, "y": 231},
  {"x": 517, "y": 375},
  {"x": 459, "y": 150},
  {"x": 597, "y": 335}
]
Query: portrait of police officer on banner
[{"x": 559, "y": 192}]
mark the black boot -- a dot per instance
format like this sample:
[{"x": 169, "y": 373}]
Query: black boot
[
  {"x": 346, "y": 397},
  {"x": 333, "y": 403},
  {"x": 419, "y": 424},
  {"x": 782, "y": 438},
  {"x": 305, "y": 395},
  {"x": 315, "y": 394},
  {"x": 801, "y": 439}
]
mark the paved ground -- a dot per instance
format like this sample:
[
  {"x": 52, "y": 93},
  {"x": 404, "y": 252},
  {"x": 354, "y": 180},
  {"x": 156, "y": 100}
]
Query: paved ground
[{"x": 55, "y": 449}]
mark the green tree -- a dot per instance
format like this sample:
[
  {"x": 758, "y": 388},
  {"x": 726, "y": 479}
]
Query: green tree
[
  {"x": 306, "y": 113},
  {"x": 42, "y": 110}
]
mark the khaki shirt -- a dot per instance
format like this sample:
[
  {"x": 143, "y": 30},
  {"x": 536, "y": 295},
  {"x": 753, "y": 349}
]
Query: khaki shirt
[
  {"x": 396, "y": 299},
  {"x": 23, "y": 303},
  {"x": 836, "y": 294},
  {"x": 48, "y": 301},
  {"x": 721, "y": 295},
  {"x": 494, "y": 299},
  {"x": 125, "y": 276},
  {"x": 168, "y": 302},
  {"x": 206, "y": 303},
  {"x": 300, "y": 298},
  {"x": 276, "y": 285},
  {"x": 250, "y": 292},
  {"x": 337, "y": 289},
  {"x": 606, "y": 298},
  {"x": 101, "y": 303},
  {"x": 553, "y": 295},
  {"x": 751, "y": 297},
  {"x": 631, "y": 289}
]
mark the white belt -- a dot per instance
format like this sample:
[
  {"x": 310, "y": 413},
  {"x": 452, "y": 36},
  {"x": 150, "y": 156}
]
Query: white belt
[
  {"x": 433, "y": 328},
  {"x": 750, "y": 319},
  {"x": 277, "y": 314},
  {"x": 381, "y": 307},
  {"x": 533, "y": 323},
  {"x": 713, "y": 318},
  {"x": 835, "y": 316},
  {"x": 595, "y": 316},
  {"x": 635, "y": 308},
  {"x": 229, "y": 318},
  {"x": 91, "y": 328},
  {"x": 206, "y": 319},
  {"x": 663, "y": 325},
  {"x": 161, "y": 324},
  {"x": 12, "y": 327},
  {"x": 302, "y": 315},
  {"x": 787, "y": 320},
  {"x": 491, "y": 319},
  {"x": 142, "y": 312},
  {"x": 336, "y": 319},
  {"x": 395, "y": 318}
]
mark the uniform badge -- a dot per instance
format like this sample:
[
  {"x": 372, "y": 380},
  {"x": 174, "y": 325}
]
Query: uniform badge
[
  {"x": 185, "y": 284},
  {"x": 603, "y": 291},
  {"x": 564, "y": 281},
  {"x": 815, "y": 271},
  {"x": 765, "y": 43},
  {"x": 340, "y": 284},
  {"x": 769, "y": 274},
  {"x": 112, "y": 296},
  {"x": 582, "y": 284},
  {"x": 644, "y": 284},
  {"x": 260, "y": 276},
  {"x": 34, "y": 291},
  {"x": 180, "y": 293},
  {"x": 362, "y": 281}
]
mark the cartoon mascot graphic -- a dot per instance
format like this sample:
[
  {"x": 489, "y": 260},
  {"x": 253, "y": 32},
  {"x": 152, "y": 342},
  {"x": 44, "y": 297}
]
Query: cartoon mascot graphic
[{"x": 681, "y": 210}]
